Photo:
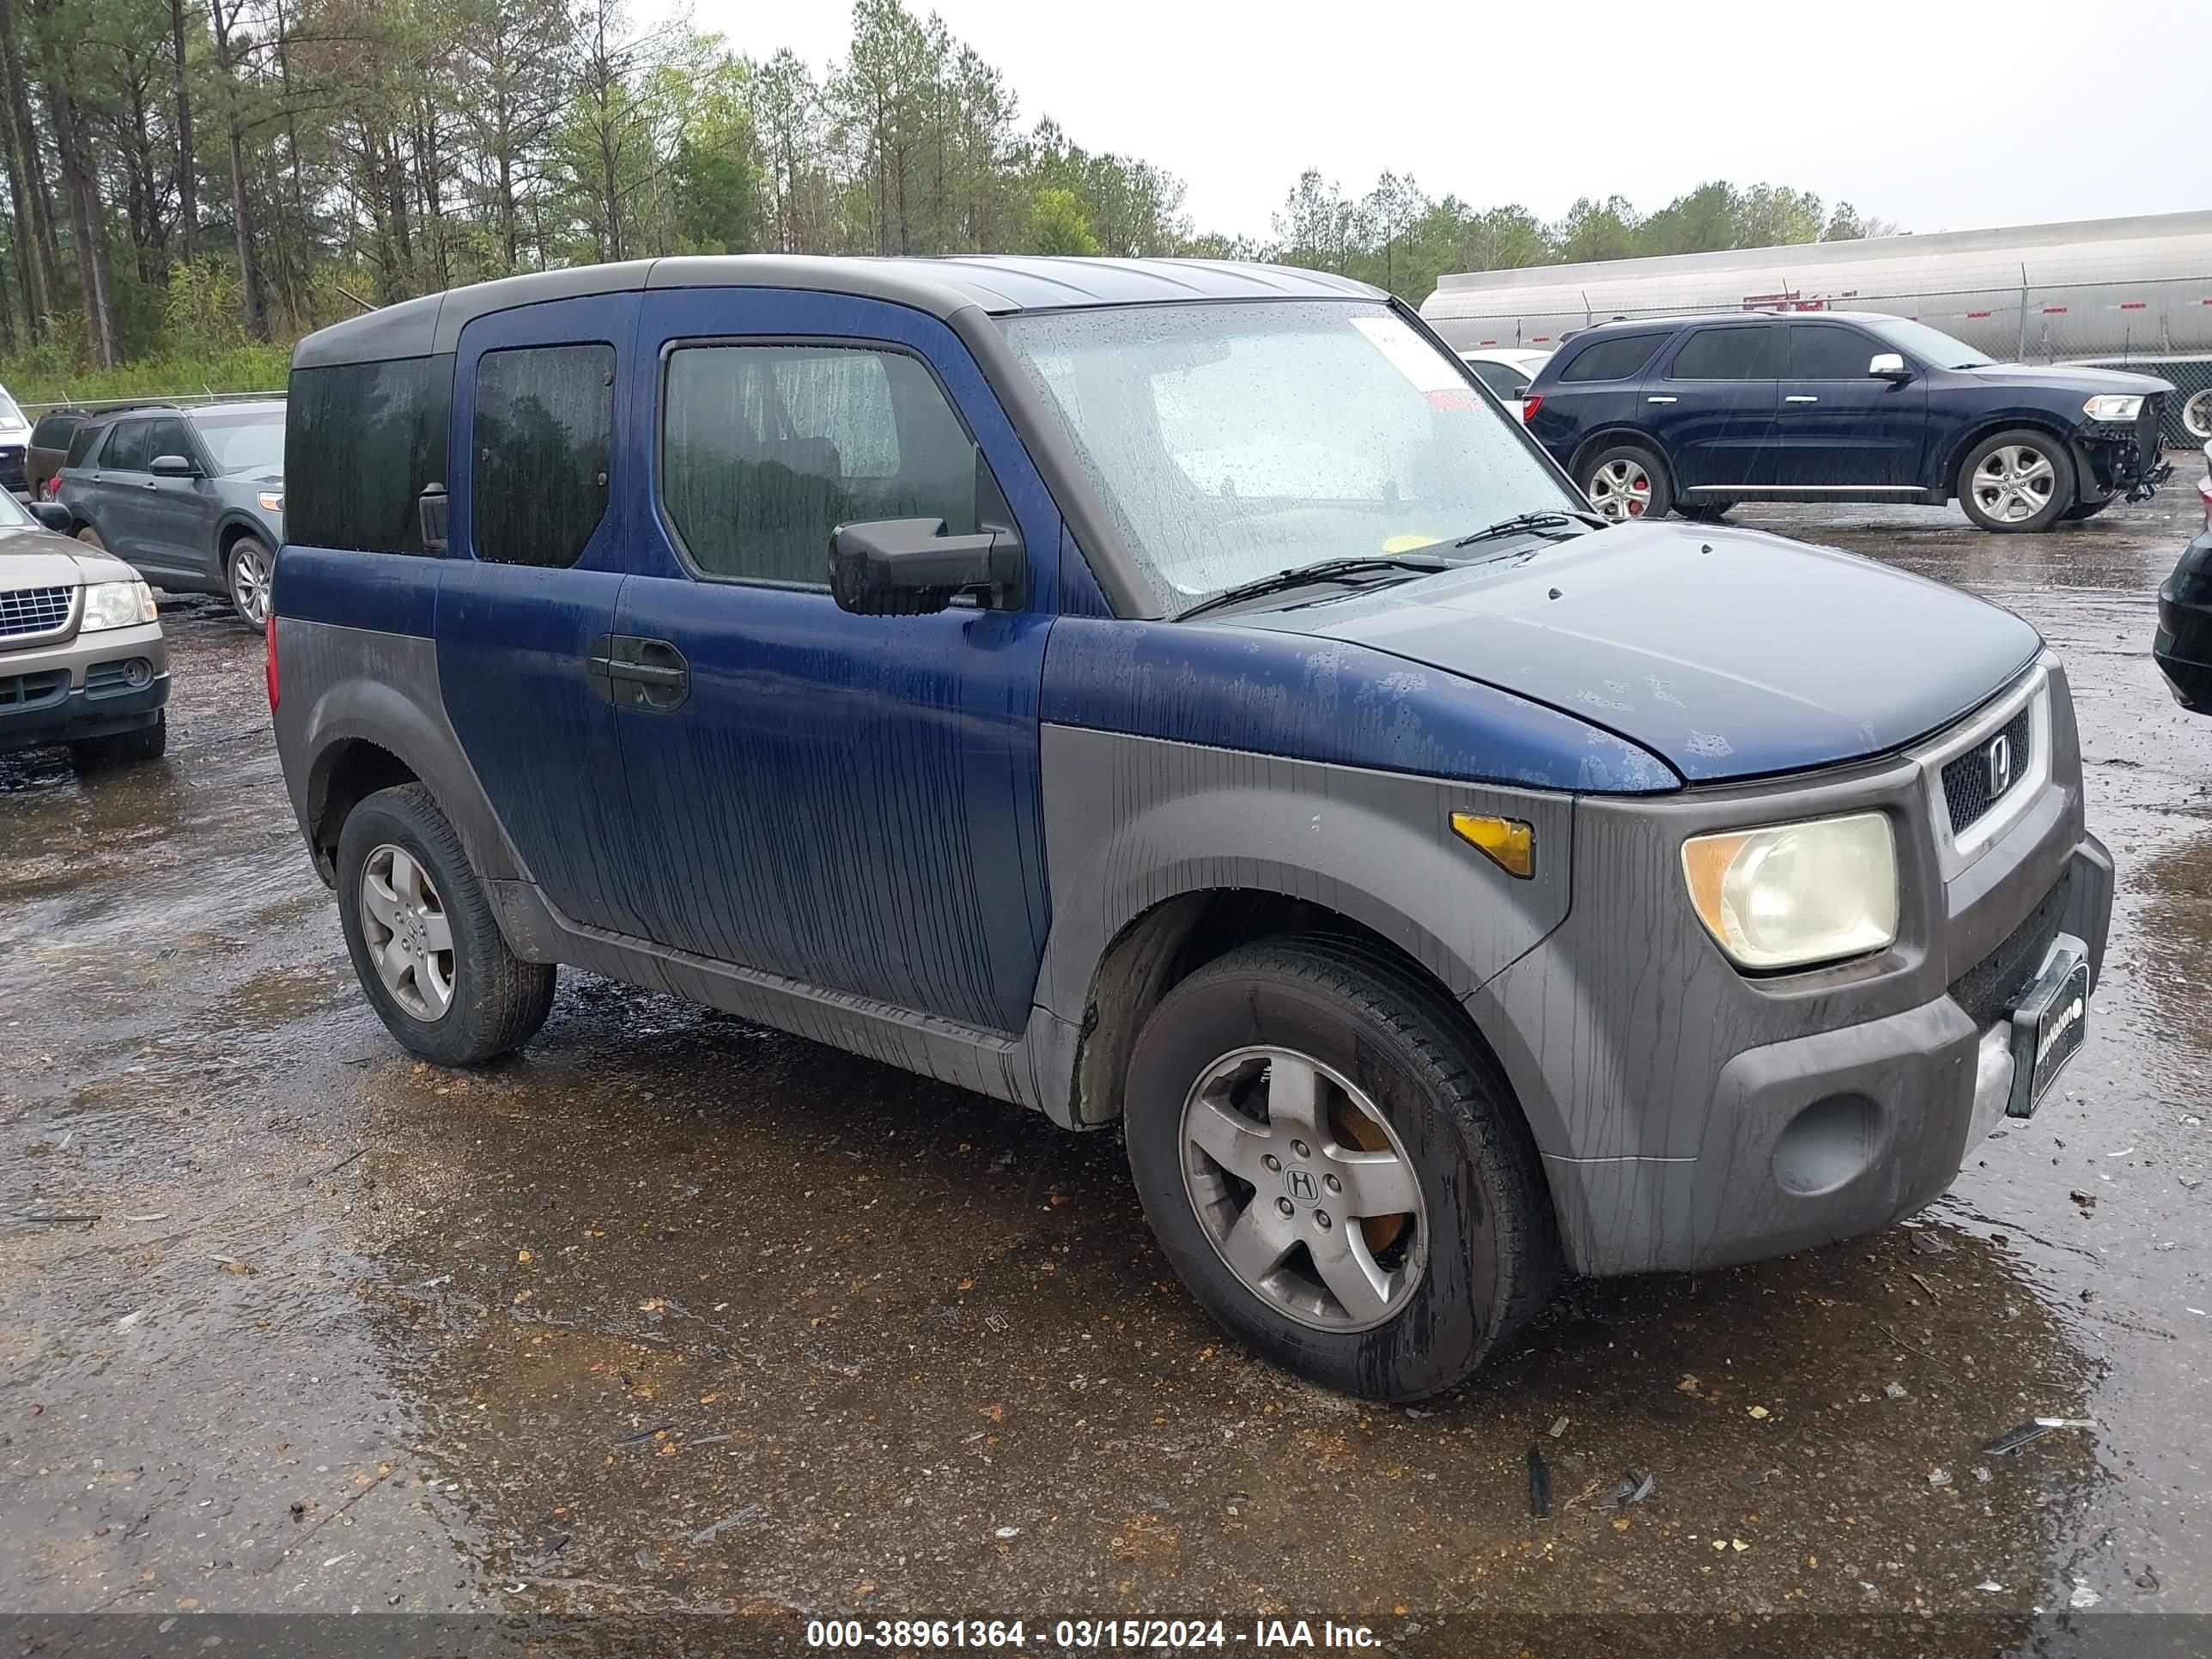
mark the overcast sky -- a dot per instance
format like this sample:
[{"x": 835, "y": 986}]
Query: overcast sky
[{"x": 1940, "y": 115}]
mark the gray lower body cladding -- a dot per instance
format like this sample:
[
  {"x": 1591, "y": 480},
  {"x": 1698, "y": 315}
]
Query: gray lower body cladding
[{"x": 1691, "y": 1115}]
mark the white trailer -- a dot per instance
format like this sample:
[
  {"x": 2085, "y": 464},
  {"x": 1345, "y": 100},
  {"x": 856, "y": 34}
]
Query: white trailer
[{"x": 2133, "y": 294}]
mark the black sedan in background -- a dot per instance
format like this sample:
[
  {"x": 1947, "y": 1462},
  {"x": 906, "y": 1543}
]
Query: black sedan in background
[{"x": 2183, "y": 646}]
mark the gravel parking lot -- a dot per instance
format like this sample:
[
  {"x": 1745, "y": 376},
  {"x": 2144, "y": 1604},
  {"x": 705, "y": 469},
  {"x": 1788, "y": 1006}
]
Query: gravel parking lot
[{"x": 674, "y": 1314}]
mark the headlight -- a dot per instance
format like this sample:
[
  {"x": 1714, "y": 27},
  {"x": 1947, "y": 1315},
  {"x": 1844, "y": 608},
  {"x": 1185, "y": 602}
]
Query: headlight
[
  {"x": 272, "y": 500},
  {"x": 1794, "y": 894},
  {"x": 116, "y": 604},
  {"x": 2113, "y": 407}
]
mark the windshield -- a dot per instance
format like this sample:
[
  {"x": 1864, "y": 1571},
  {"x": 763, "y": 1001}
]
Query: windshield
[
  {"x": 14, "y": 515},
  {"x": 245, "y": 443},
  {"x": 1930, "y": 346},
  {"x": 1232, "y": 442}
]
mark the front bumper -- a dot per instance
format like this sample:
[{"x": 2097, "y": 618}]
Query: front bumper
[
  {"x": 2183, "y": 645},
  {"x": 94, "y": 685},
  {"x": 1689, "y": 1116}
]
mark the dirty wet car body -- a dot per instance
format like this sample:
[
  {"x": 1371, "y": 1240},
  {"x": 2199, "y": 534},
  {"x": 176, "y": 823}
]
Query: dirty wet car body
[
  {"x": 2183, "y": 645},
  {"x": 1156, "y": 750}
]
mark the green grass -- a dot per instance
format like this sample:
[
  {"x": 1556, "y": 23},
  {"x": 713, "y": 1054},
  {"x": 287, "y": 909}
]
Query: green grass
[{"x": 35, "y": 379}]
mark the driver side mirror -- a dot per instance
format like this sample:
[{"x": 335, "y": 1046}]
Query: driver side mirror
[
  {"x": 172, "y": 466},
  {"x": 53, "y": 515},
  {"x": 911, "y": 567},
  {"x": 1889, "y": 366}
]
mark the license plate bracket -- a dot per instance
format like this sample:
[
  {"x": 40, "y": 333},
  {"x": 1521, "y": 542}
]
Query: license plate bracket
[{"x": 2048, "y": 1024}]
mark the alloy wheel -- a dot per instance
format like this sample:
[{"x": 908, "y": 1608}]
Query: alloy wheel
[
  {"x": 2196, "y": 416},
  {"x": 249, "y": 583},
  {"x": 410, "y": 936},
  {"x": 1620, "y": 489},
  {"x": 2013, "y": 483},
  {"x": 1304, "y": 1189}
]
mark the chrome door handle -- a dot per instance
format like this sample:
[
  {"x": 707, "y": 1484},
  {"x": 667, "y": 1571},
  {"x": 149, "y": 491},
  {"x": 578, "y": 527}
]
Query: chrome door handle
[
  {"x": 1798, "y": 398},
  {"x": 1658, "y": 400}
]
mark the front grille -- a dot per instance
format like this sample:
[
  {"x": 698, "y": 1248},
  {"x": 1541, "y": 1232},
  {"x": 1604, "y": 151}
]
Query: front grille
[
  {"x": 33, "y": 610},
  {"x": 22, "y": 691},
  {"x": 1987, "y": 990},
  {"x": 1970, "y": 783}
]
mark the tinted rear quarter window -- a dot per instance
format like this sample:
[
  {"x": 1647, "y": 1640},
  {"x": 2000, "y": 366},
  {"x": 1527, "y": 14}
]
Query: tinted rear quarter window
[
  {"x": 54, "y": 431},
  {"x": 1828, "y": 352},
  {"x": 357, "y": 451},
  {"x": 544, "y": 423},
  {"x": 1612, "y": 360},
  {"x": 1727, "y": 354},
  {"x": 81, "y": 442}
]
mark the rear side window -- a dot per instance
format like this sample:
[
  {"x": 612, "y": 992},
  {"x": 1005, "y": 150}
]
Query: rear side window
[
  {"x": 125, "y": 450},
  {"x": 1729, "y": 354},
  {"x": 54, "y": 431},
  {"x": 764, "y": 449},
  {"x": 1503, "y": 378},
  {"x": 545, "y": 425},
  {"x": 1823, "y": 351},
  {"x": 81, "y": 442},
  {"x": 357, "y": 452},
  {"x": 1612, "y": 360}
]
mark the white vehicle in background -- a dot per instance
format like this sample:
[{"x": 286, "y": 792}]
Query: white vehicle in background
[{"x": 1506, "y": 370}]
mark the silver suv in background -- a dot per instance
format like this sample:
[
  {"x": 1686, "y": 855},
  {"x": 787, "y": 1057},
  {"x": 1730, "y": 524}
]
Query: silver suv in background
[
  {"x": 83, "y": 661},
  {"x": 193, "y": 498}
]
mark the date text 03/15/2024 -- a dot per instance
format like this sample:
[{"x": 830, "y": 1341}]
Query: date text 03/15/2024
[{"x": 1086, "y": 1635}]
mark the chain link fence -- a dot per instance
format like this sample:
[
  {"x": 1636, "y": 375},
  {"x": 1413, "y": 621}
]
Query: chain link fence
[{"x": 203, "y": 395}]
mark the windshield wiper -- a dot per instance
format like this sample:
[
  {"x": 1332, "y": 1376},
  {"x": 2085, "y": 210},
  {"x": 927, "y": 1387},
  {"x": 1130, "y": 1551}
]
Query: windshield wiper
[
  {"x": 1550, "y": 519},
  {"x": 1347, "y": 571}
]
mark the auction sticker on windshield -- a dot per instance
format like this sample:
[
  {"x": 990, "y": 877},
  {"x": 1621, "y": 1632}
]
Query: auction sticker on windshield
[{"x": 1432, "y": 373}]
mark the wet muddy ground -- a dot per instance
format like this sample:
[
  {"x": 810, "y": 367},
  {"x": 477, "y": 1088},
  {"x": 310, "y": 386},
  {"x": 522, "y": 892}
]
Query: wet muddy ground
[{"x": 673, "y": 1315}]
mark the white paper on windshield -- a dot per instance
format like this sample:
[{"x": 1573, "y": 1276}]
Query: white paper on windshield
[{"x": 1431, "y": 373}]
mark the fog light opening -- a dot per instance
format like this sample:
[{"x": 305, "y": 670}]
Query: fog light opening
[
  {"x": 138, "y": 672},
  {"x": 1828, "y": 1144}
]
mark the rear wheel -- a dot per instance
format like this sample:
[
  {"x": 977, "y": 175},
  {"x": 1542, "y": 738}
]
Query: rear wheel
[
  {"x": 419, "y": 927},
  {"x": 248, "y": 571},
  {"x": 1336, "y": 1172},
  {"x": 1705, "y": 512},
  {"x": 1627, "y": 480},
  {"x": 2020, "y": 480}
]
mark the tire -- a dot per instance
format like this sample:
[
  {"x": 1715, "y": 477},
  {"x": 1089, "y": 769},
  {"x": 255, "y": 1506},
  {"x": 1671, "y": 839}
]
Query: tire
[
  {"x": 1705, "y": 512},
  {"x": 492, "y": 1001},
  {"x": 90, "y": 537},
  {"x": 247, "y": 569},
  {"x": 2196, "y": 415},
  {"x": 146, "y": 742},
  {"x": 2016, "y": 481},
  {"x": 1620, "y": 476},
  {"x": 2086, "y": 509},
  {"x": 1409, "y": 1096}
]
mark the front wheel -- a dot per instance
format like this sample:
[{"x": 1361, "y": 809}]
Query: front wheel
[
  {"x": 1627, "y": 480},
  {"x": 1335, "y": 1170},
  {"x": 2016, "y": 481},
  {"x": 247, "y": 575},
  {"x": 419, "y": 927},
  {"x": 144, "y": 743}
]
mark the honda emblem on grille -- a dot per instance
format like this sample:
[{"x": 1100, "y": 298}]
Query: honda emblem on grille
[{"x": 1999, "y": 758}]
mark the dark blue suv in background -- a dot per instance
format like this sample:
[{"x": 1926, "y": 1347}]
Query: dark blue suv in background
[
  {"x": 1699, "y": 414},
  {"x": 1176, "y": 695}
]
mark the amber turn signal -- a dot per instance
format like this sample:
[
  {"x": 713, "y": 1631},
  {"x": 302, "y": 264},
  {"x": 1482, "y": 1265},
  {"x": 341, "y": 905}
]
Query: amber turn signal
[{"x": 1509, "y": 843}]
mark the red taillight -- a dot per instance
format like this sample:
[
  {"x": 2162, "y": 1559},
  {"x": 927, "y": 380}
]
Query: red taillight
[
  {"x": 269, "y": 633},
  {"x": 1529, "y": 406},
  {"x": 53, "y": 487}
]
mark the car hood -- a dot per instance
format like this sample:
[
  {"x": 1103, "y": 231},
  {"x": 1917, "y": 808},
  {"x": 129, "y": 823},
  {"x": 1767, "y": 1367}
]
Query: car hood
[
  {"x": 1728, "y": 653},
  {"x": 39, "y": 558},
  {"x": 2061, "y": 378}
]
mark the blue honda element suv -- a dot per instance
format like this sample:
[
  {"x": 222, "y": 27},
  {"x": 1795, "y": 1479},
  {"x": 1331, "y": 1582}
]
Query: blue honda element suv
[{"x": 1177, "y": 695}]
